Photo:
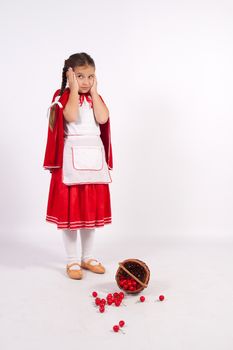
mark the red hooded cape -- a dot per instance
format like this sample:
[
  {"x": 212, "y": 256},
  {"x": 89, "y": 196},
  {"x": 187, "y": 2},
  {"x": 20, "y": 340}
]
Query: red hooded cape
[{"x": 55, "y": 140}]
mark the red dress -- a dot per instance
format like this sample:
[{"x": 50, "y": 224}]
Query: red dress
[{"x": 76, "y": 206}]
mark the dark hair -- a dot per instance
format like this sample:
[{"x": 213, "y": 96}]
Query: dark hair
[{"x": 77, "y": 59}]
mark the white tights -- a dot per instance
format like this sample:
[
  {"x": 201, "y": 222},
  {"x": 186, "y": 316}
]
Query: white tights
[{"x": 70, "y": 243}]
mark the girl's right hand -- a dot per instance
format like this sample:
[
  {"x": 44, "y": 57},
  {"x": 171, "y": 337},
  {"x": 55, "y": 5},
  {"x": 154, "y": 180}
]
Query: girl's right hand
[{"x": 72, "y": 81}]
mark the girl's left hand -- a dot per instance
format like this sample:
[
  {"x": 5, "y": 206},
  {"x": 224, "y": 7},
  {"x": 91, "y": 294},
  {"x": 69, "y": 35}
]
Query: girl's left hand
[{"x": 93, "y": 89}]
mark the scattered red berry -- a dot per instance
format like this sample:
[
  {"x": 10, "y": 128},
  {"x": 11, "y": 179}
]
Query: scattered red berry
[
  {"x": 142, "y": 298},
  {"x": 117, "y": 302},
  {"x": 116, "y": 328},
  {"x": 94, "y": 294},
  {"x": 122, "y": 295},
  {"x": 97, "y": 301},
  {"x": 101, "y": 308},
  {"x": 121, "y": 323},
  {"x": 161, "y": 297}
]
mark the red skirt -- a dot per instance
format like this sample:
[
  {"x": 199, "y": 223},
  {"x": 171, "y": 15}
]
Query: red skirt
[{"x": 77, "y": 206}]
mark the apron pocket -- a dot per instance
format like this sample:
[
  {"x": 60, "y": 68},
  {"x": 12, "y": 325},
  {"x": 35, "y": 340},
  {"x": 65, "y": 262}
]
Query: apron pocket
[{"x": 87, "y": 157}]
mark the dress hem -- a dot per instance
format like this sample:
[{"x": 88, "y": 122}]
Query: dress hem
[{"x": 74, "y": 225}]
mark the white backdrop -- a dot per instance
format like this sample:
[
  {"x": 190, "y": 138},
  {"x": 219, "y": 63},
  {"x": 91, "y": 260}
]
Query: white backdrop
[{"x": 165, "y": 71}]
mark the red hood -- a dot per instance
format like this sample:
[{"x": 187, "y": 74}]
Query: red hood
[{"x": 55, "y": 140}]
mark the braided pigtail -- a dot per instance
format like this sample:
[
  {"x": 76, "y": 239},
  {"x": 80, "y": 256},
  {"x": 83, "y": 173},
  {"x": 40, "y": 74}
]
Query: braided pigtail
[
  {"x": 64, "y": 78},
  {"x": 63, "y": 86}
]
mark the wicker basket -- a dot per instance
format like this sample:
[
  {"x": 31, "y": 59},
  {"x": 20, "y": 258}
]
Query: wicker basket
[{"x": 135, "y": 270}]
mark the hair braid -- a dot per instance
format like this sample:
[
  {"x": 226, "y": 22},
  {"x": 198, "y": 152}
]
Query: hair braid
[
  {"x": 64, "y": 77},
  {"x": 63, "y": 86}
]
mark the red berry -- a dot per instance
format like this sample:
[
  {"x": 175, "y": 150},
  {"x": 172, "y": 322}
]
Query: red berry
[
  {"x": 109, "y": 302},
  {"x": 103, "y": 301},
  {"x": 97, "y": 301},
  {"x": 109, "y": 296},
  {"x": 115, "y": 295},
  {"x": 122, "y": 295},
  {"x": 161, "y": 297},
  {"x": 142, "y": 298},
  {"x": 116, "y": 328},
  {"x": 121, "y": 323},
  {"x": 94, "y": 294},
  {"x": 117, "y": 302},
  {"x": 101, "y": 308}
]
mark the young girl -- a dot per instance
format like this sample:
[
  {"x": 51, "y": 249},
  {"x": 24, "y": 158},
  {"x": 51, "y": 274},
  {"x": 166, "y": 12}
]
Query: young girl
[{"x": 79, "y": 156}]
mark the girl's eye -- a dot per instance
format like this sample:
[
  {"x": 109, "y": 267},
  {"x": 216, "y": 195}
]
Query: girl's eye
[{"x": 80, "y": 76}]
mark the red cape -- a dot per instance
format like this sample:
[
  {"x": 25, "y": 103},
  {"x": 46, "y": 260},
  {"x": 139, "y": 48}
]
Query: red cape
[{"x": 55, "y": 140}]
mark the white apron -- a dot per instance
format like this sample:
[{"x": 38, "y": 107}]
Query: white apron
[{"x": 84, "y": 160}]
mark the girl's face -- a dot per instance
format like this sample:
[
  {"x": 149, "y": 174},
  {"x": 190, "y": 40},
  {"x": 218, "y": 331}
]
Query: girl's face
[{"x": 85, "y": 77}]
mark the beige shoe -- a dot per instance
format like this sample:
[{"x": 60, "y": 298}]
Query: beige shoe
[
  {"x": 75, "y": 274},
  {"x": 93, "y": 268}
]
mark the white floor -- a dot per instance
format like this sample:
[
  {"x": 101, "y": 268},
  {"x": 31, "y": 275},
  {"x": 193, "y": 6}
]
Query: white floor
[{"x": 41, "y": 308}]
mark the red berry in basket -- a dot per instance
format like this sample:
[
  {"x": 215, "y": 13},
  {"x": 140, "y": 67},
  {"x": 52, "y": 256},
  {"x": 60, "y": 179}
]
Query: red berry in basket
[
  {"x": 94, "y": 294},
  {"x": 121, "y": 323},
  {"x": 161, "y": 297},
  {"x": 115, "y": 328},
  {"x": 142, "y": 298}
]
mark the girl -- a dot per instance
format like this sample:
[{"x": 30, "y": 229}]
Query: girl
[{"x": 79, "y": 156}]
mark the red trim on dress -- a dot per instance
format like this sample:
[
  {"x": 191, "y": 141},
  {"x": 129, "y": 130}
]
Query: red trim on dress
[{"x": 79, "y": 224}]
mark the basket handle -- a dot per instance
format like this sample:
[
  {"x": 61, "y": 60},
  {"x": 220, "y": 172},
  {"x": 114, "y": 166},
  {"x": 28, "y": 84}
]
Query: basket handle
[{"x": 129, "y": 273}]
